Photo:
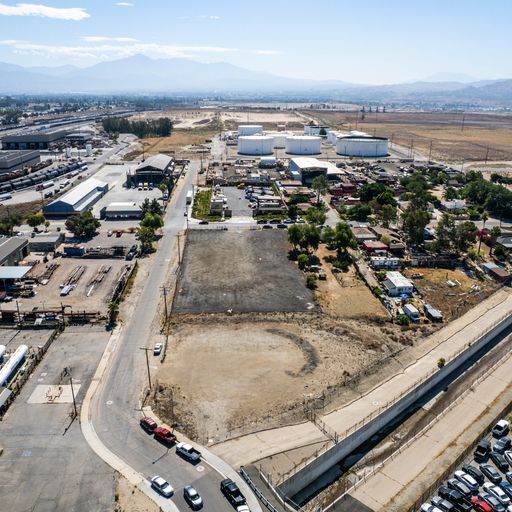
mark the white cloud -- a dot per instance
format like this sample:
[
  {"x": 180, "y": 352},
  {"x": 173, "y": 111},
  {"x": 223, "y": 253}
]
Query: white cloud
[
  {"x": 125, "y": 4},
  {"x": 72, "y": 13},
  {"x": 101, "y": 39},
  {"x": 266, "y": 52}
]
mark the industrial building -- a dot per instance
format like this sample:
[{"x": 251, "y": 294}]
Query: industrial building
[
  {"x": 305, "y": 169},
  {"x": 37, "y": 139},
  {"x": 154, "y": 169},
  {"x": 13, "y": 250},
  {"x": 80, "y": 138},
  {"x": 360, "y": 144},
  {"x": 11, "y": 160},
  {"x": 303, "y": 145},
  {"x": 255, "y": 145},
  {"x": 315, "y": 129},
  {"x": 45, "y": 242},
  {"x": 249, "y": 129},
  {"x": 77, "y": 200},
  {"x": 396, "y": 284},
  {"x": 121, "y": 211}
]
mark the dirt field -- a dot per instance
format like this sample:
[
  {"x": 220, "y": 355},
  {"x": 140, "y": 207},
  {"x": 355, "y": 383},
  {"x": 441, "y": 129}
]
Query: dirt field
[
  {"x": 239, "y": 373},
  {"x": 346, "y": 294},
  {"x": 451, "y": 140},
  {"x": 242, "y": 272},
  {"x": 48, "y": 296},
  {"x": 452, "y": 301},
  {"x": 130, "y": 499}
]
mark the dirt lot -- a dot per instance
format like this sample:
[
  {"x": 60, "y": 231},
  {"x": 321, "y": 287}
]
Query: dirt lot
[
  {"x": 452, "y": 301},
  {"x": 450, "y": 139},
  {"x": 346, "y": 294},
  {"x": 243, "y": 272},
  {"x": 48, "y": 296},
  {"x": 129, "y": 499},
  {"x": 237, "y": 373}
]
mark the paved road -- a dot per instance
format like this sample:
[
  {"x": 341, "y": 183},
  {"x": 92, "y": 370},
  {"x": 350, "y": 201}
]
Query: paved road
[
  {"x": 116, "y": 407},
  {"x": 47, "y": 466}
]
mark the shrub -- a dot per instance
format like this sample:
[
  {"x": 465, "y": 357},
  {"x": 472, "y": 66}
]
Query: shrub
[
  {"x": 303, "y": 261},
  {"x": 441, "y": 362},
  {"x": 402, "y": 319},
  {"x": 311, "y": 281}
]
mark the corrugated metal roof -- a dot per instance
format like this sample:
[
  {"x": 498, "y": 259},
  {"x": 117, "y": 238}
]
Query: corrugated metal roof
[
  {"x": 75, "y": 195},
  {"x": 398, "y": 280},
  {"x": 160, "y": 162},
  {"x": 14, "y": 272},
  {"x": 10, "y": 244}
]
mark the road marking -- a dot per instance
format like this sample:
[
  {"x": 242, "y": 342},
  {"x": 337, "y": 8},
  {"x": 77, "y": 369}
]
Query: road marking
[
  {"x": 109, "y": 402},
  {"x": 200, "y": 469},
  {"x": 26, "y": 453}
]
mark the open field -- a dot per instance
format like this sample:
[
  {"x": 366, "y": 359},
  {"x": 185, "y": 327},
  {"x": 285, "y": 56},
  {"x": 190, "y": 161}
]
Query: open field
[
  {"x": 452, "y": 138},
  {"x": 241, "y": 272},
  {"x": 252, "y": 371},
  {"x": 453, "y": 301}
]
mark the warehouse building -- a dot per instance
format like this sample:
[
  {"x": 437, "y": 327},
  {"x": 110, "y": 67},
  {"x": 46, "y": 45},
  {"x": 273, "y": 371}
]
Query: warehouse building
[
  {"x": 397, "y": 284},
  {"x": 11, "y": 160},
  {"x": 37, "y": 139},
  {"x": 306, "y": 169},
  {"x": 154, "y": 169},
  {"x": 77, "y": 200},
  {"x": 315, "y": 129},
  {"x": 13, "y": 250},
  {"x": 249, "y": 129},
  {"x": 121, "y": 211},
  {"x": 360, "y": 144}
]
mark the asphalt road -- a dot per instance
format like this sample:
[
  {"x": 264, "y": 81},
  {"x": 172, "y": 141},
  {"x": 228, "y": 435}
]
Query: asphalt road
[{"x": 116, "y": 406}]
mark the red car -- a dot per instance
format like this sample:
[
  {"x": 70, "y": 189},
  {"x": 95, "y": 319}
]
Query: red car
[
  {"x": 148, "y": 424},
  {"x": 165, "y": 435},
  {"x": 480, "y": 505}
]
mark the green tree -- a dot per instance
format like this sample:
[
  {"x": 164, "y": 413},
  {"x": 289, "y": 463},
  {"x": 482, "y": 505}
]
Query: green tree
[
  {"x": 292, "y": 211},
  {"x": 146, "y": 237},
  {"x": 303, "y": 261},
  {"x": 500, "y": 252},
  {"x": 113, "y": 311},
  {"x": 84, "y": 225},
  {"x": 320, "y": 186},
  {"x": 485, "y": 218},
  {"x": 155, "y": 207},
  {"x": 465, "y": 235},
  {"x": 359, "y": 212},
  {"x": 414, "y": 222},
  {"x": 322, "y": 132},
  {"x": 343, "y": 238},
  {"x": 494, "y": 234},
  {"x": 36, "y": 219},
  {"x": 387, "y": 214},
  {"x": 327, "y": 235},
  {"x": 450, "y": 194},
  {"x": 294, "y": 234},
  {"x": 315, "y": 216},
  {"x": 153, "y": 221}
]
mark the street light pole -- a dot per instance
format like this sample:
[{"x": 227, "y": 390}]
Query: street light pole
[
  {"x": 146, "y": 350},
  {"x": 73, "y": 395}
]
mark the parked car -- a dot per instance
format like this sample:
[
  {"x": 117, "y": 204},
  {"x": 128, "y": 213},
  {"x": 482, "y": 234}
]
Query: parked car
[
  {"x": 275, "y": 221},
  {"x": 282, "y": 226},
  {"x": 503, "y": 444},
  {"x": 427, "y": 507},
  {"x": 232, "y": 492},
  {"x": 508, "y": 476},
  {"x": 157, "y": 349},
  {"x": 457, "y": 485},
  {"x": 499, "y": 461},
  {"x": 148, "y": 424},
  {"x": 507, "y": 488},
  {"x": 497, "y": 492},
  {"x": 165, "y": 435},
  {"x": 474, "y": 472},
  {"x": 454, "y": 497},
  {"x": 482, "y": 450},
  {"x": 491, "y": 473},
  {"x": 501, "y": 429},
  {"x": 188, "y": 451},
  {"x": 467, "y": 480},
  {"x": 268, "y": 226},
  {"x": 508, "y": 457},
  {"x": 480, "y": 505},
  {"x": 203, "y": 222},
  {"x": 162, "y": 486},
  {"x": 442, "y": 504},
  {"x": 261, "y": 221},
  {"x": 192, "y": 497},
  {"x": 492, "y": 501}
]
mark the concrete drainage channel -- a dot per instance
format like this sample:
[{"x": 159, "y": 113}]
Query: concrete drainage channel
[{"x": 311, "y": 477}]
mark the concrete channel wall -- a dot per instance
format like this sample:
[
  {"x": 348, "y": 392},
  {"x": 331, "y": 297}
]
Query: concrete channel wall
[{"x": 309, "y": 473}]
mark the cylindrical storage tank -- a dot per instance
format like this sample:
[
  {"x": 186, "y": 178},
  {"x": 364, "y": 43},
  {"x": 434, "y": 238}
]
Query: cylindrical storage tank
[
  {"x": 88, "y": 150},
  {"x": 362, "y": 146},
  {"x": 249, "y": 129},
  {"x": 255, "y": 145},
  {"x": 2, "y": 352},
  {"x": 303, "y": 145},
  {"x": 279, "y": 139},
  {"x": 14, "y": 362},
  {"x": 68, "y": 152}
]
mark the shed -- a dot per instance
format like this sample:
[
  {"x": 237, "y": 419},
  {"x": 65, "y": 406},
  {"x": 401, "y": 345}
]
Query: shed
[
  {"x": 434, "y": 314},
  {"x": 363, "y": 234},
  {"x": 374, "y": 245},
  {"x": 45, "y": 242},
  {"x": 119, "y": 211},
  {"x": 13, "y": 250}
]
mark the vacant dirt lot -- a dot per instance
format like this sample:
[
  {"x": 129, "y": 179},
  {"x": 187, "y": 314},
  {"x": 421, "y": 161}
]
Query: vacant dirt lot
[
  {"x": 453, "y": 301},
  {"x": 452, "y": 138},
  {"x": 239, "y": 271},
  {"x": 231, "y": 374}
]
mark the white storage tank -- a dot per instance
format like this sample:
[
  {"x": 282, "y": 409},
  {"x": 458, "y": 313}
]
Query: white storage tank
[
  {"x": 303, "y": 145},
  {"x": 88, "y": 150},
  {"x": 360, "y": 146},
  {"x": 256, "y": 145},
  {"x": 2, "y": 352},
  {"x": 249, "y": 129},
  {"x": 279, "y": 139}
]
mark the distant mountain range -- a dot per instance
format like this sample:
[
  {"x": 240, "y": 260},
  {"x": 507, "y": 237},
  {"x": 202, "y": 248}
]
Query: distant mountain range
[{"x": 140, "y": 74}]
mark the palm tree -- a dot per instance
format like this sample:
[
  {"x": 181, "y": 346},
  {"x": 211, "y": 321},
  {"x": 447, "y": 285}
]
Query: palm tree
[
  {"x": 113, "y": 311},
  {"x": 485, "y": 218}
]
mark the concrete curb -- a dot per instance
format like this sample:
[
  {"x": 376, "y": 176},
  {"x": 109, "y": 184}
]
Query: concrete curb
[
  {"x": 223, "y": 468},
  {"x": 115, "y": 462}
]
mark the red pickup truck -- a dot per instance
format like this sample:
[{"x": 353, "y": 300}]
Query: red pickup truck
[{"x": 165, "y": 435}]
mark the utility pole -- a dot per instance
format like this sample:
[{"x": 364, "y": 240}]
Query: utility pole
[
  {"x": 179, "y": 249},
  {"x": 486, "y": 155},
  {"x": 146, "y": 350},
  {"x": 430, "y": 151},
  {"x": 164, "y": 290},
  {"x": 73, "y": 394},
  {"x": 462, "y": 124}
]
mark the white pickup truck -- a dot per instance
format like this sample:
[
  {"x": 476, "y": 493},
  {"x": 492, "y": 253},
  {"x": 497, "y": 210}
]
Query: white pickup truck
[{"x": 188, "y": 451}]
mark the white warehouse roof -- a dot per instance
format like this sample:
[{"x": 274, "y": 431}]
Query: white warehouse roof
[
  {"x": 398, "y": 280},
  {"x": 75, "y": 195}
]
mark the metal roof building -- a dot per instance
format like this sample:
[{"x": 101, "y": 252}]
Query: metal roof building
[
  {"x": 12, "y": 250},
  {"x": 115, "y": 211},
  {"x": 35, "y": 139},
  {"x": 154, "y": 168},
  {"x": 10, "y": 160},
  {"x": 78, "y": 199},
  {"x": 397, "y": 284}
]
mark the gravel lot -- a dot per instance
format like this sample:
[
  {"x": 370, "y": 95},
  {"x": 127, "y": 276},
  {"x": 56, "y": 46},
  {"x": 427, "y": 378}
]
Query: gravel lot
[{"x": 243, "y": 272}]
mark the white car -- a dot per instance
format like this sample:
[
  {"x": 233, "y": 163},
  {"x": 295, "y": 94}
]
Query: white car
[
  {"x": 157, "y": 350},
  {"x": 162, "y": 486},
  {"x": 427, "y": 507},
  {"x": 245, "y": 508},
  {"x": 467, "y": 480},
  {"x": 498, "y": 493}
]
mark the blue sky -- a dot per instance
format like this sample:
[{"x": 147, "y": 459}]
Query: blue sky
[{"x": 361, "y": 41}]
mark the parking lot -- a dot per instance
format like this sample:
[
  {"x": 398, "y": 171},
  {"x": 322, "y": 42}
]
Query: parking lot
[
  {"x": 46, "y": 464},
  {"x": 240, "y": 272},
  {"x": 237, "y": 202}
]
